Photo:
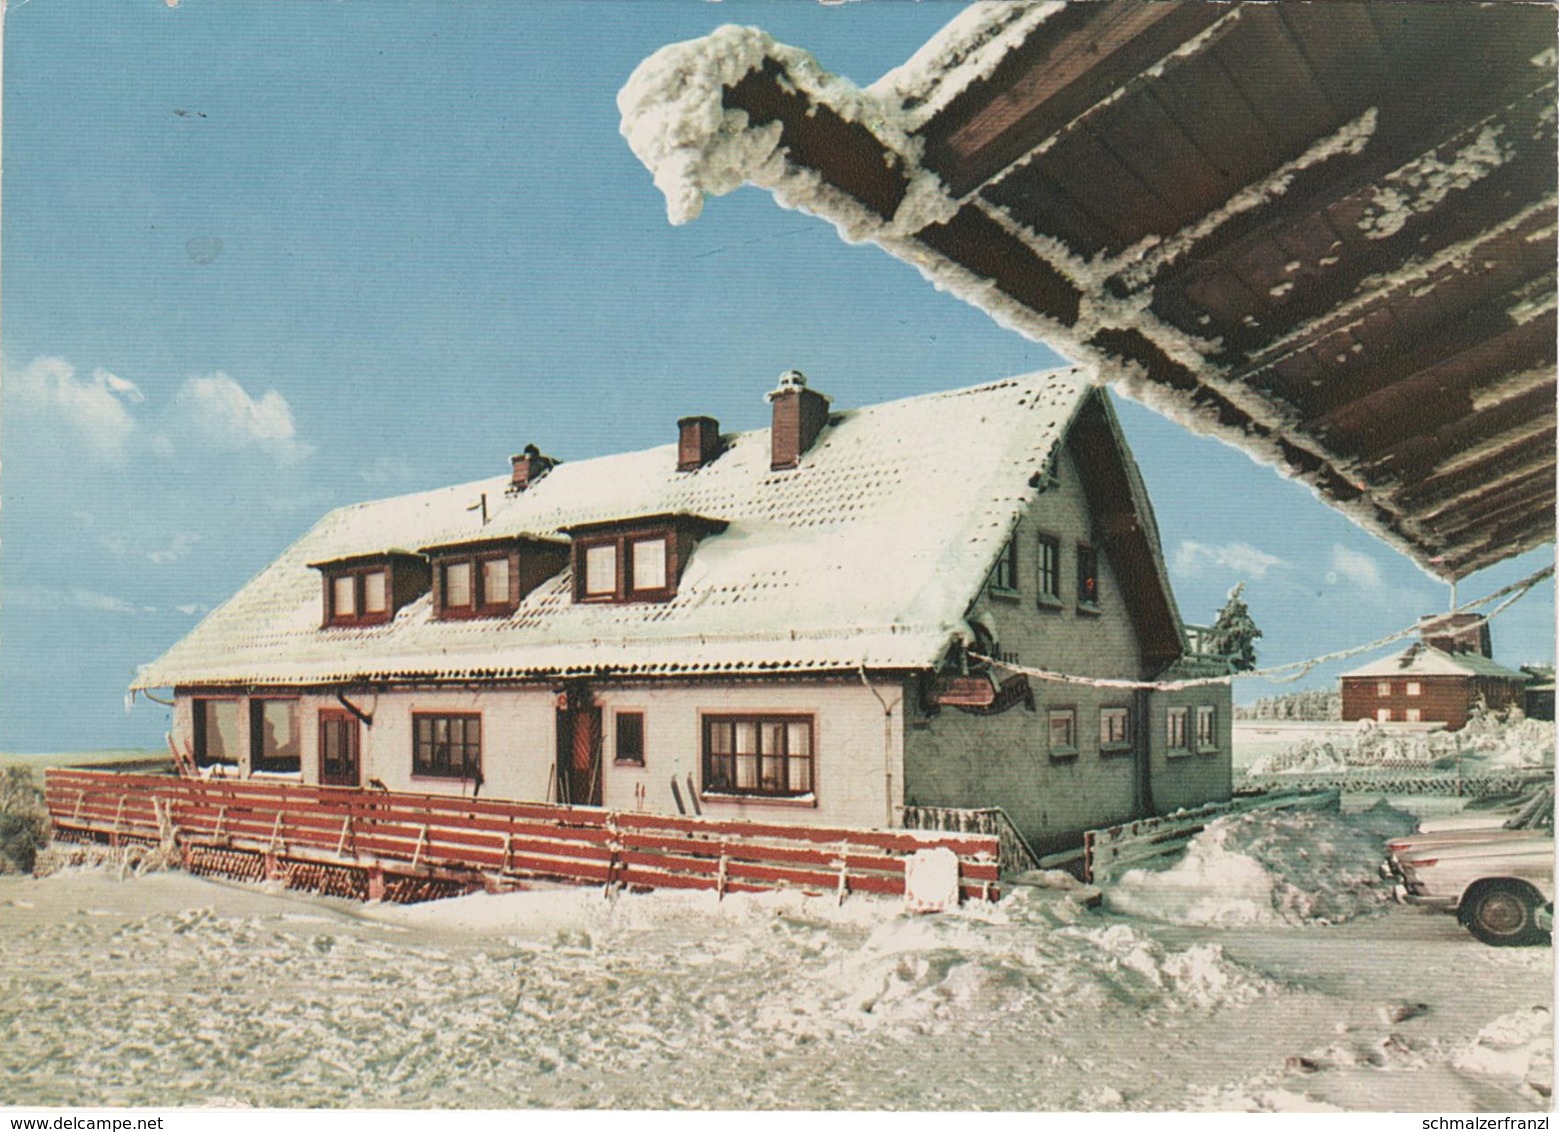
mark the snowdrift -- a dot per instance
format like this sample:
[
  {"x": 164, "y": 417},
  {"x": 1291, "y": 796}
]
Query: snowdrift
[{"x": 1311, "y": 867}]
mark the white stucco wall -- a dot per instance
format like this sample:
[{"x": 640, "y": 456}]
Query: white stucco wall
[
  {"x": 858, "y": 763},
  {"x": 849, "y": 756}
]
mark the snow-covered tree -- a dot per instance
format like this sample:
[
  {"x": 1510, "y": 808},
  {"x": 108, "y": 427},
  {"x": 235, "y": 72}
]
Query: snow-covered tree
[{"x": 1234, "y": 633}]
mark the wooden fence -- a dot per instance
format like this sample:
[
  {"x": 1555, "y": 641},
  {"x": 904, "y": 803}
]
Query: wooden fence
[
  {"x": 1397, "y": 779},
  {"x": 1016, "y": 855},
  {"x": 405, "y": 847},
  {"x": 1109, "y": 851}
]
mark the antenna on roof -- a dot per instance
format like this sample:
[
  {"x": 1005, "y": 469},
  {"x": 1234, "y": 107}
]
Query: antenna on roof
[{"x": 480, "y": 505}]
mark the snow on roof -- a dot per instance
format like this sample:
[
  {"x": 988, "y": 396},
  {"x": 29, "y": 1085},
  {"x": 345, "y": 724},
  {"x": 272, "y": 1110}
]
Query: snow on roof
[
  {"x": 1282, "y": 302},
  {"x": 1425, "y": 660},
  {"x": 866, "y": 554}
]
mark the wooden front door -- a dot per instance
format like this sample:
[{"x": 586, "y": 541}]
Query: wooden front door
[
  {"x": 579, "y": 749},
  {"x": 339, "y": 761}
]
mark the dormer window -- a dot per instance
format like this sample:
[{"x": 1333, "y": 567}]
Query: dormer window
[
  {"x": 490, "y": 577},
  {"x": 601, "y": 570},
  {"x": 369, "y": 589},
  {"x": 649, "y": 564},
  {"x": 635, "y": 559}
]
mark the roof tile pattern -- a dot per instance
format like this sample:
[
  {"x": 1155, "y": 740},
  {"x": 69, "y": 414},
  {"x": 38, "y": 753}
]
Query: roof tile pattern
[{"x": 865, "y": 555}]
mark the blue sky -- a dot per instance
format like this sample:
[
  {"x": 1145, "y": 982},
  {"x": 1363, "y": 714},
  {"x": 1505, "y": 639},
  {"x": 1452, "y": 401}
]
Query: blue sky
[{"x": 264, "y": 259}]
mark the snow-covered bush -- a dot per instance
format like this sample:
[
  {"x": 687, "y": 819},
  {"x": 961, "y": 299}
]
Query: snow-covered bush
[
  {"x": 1490, "y": 740},
  {"x": 24, "y": 821}
]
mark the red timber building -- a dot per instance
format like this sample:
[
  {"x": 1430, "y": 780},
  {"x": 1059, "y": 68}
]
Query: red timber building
[{"x": 1437, "y": 680}]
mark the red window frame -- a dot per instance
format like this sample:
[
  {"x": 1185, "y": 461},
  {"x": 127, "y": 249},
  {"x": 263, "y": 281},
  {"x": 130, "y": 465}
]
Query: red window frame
[
  {"x": 358, "y": 616},
  {"x": 482, "y": 603},
  {"x": 346, "y": 729},
  {"x": 623, "y": 589}
]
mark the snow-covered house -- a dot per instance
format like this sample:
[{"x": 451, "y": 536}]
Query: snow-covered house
[
  {"x": 787, "y": 623},
  {"x": 1438, "y": 679}
]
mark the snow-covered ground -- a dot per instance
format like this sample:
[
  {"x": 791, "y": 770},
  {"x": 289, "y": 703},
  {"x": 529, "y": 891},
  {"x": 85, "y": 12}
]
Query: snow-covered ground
[{"x": 1314, "y": 992}]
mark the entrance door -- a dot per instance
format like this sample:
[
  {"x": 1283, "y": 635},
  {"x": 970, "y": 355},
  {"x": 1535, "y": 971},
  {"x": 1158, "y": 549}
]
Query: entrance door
[
  {"x": 579, "y": 748},
  {"x": 339, "y": 761}
]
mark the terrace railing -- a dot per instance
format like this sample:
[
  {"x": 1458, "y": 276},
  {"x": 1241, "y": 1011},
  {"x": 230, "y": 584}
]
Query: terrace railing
[{"x": 400, "y": 846}]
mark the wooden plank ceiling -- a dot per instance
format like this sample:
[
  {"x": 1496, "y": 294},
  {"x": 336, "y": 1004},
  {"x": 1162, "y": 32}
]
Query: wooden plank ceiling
[{"x": 1324, "y": 231}]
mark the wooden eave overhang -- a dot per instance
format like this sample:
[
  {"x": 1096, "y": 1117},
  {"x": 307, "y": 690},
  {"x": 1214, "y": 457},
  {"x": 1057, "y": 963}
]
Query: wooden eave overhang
[
  {"x": 697, "y": 525},
  {"x": 1322, "y": 232},
  {"x": 375, "y": 558},
  {"x": 499, "y": 542}
]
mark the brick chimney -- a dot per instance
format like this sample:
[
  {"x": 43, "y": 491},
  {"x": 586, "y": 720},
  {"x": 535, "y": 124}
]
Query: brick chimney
[
  {"x": 799, "y": 415},
  {"x": 1456, "y": 632},
  {"x": 529, "y": 466},
  {"x": 698, "y": 442}
]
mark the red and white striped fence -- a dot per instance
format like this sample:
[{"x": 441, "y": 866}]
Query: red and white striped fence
[{"x": 397, "y": 846}]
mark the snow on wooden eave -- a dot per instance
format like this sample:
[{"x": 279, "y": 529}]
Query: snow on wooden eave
[{"x": 1222, "y": 404}]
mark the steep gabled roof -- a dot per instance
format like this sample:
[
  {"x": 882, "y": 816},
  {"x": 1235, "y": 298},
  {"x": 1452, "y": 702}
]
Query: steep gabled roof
[
  {"x": 1324, "y": 233},
  {"x": 866, "y": 555},
  {"x": 1426, "y": 660}
]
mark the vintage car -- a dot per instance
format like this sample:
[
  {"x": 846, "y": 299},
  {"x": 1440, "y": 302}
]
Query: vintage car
[
  {"x": 1512, "y": 811},
  {"x": 1499, "y": 882}
]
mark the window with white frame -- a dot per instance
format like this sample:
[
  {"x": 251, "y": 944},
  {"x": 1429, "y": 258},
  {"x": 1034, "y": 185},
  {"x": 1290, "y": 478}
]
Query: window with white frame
[
  {"x": 1063, "y": 732},
  {"x": 1206, "y": 728},
  {"x": 1005, "y": 576},
  {"x": 1414, "y": 715},
  {"x": 1114, "y": 729},
  {"x": 1383, "y": 715},
  {"x": 1048, "y": 573},
  {"x": 1383, "y": 688},
  {"x": 1179, "y": 721},
  {"x": 1414, "y": 688}
]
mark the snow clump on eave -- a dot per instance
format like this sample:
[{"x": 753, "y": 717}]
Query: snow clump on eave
[{"x": 675, "y": 120}]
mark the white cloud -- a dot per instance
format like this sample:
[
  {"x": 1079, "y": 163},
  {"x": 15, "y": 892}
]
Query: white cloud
[
  {"x": 122, "y": 386},
  {"x": 218, "y": 410},
  {"x": 43, "y": 597},
  {"x": 1239, "y": 557},
  {"x": 94, "y": 408},
  {"x": 193, "y": 609},
  {"x": 1351, "y": 565},
  {"x": 103, "y": 603},
  {"x": 180, "y": 545}
]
